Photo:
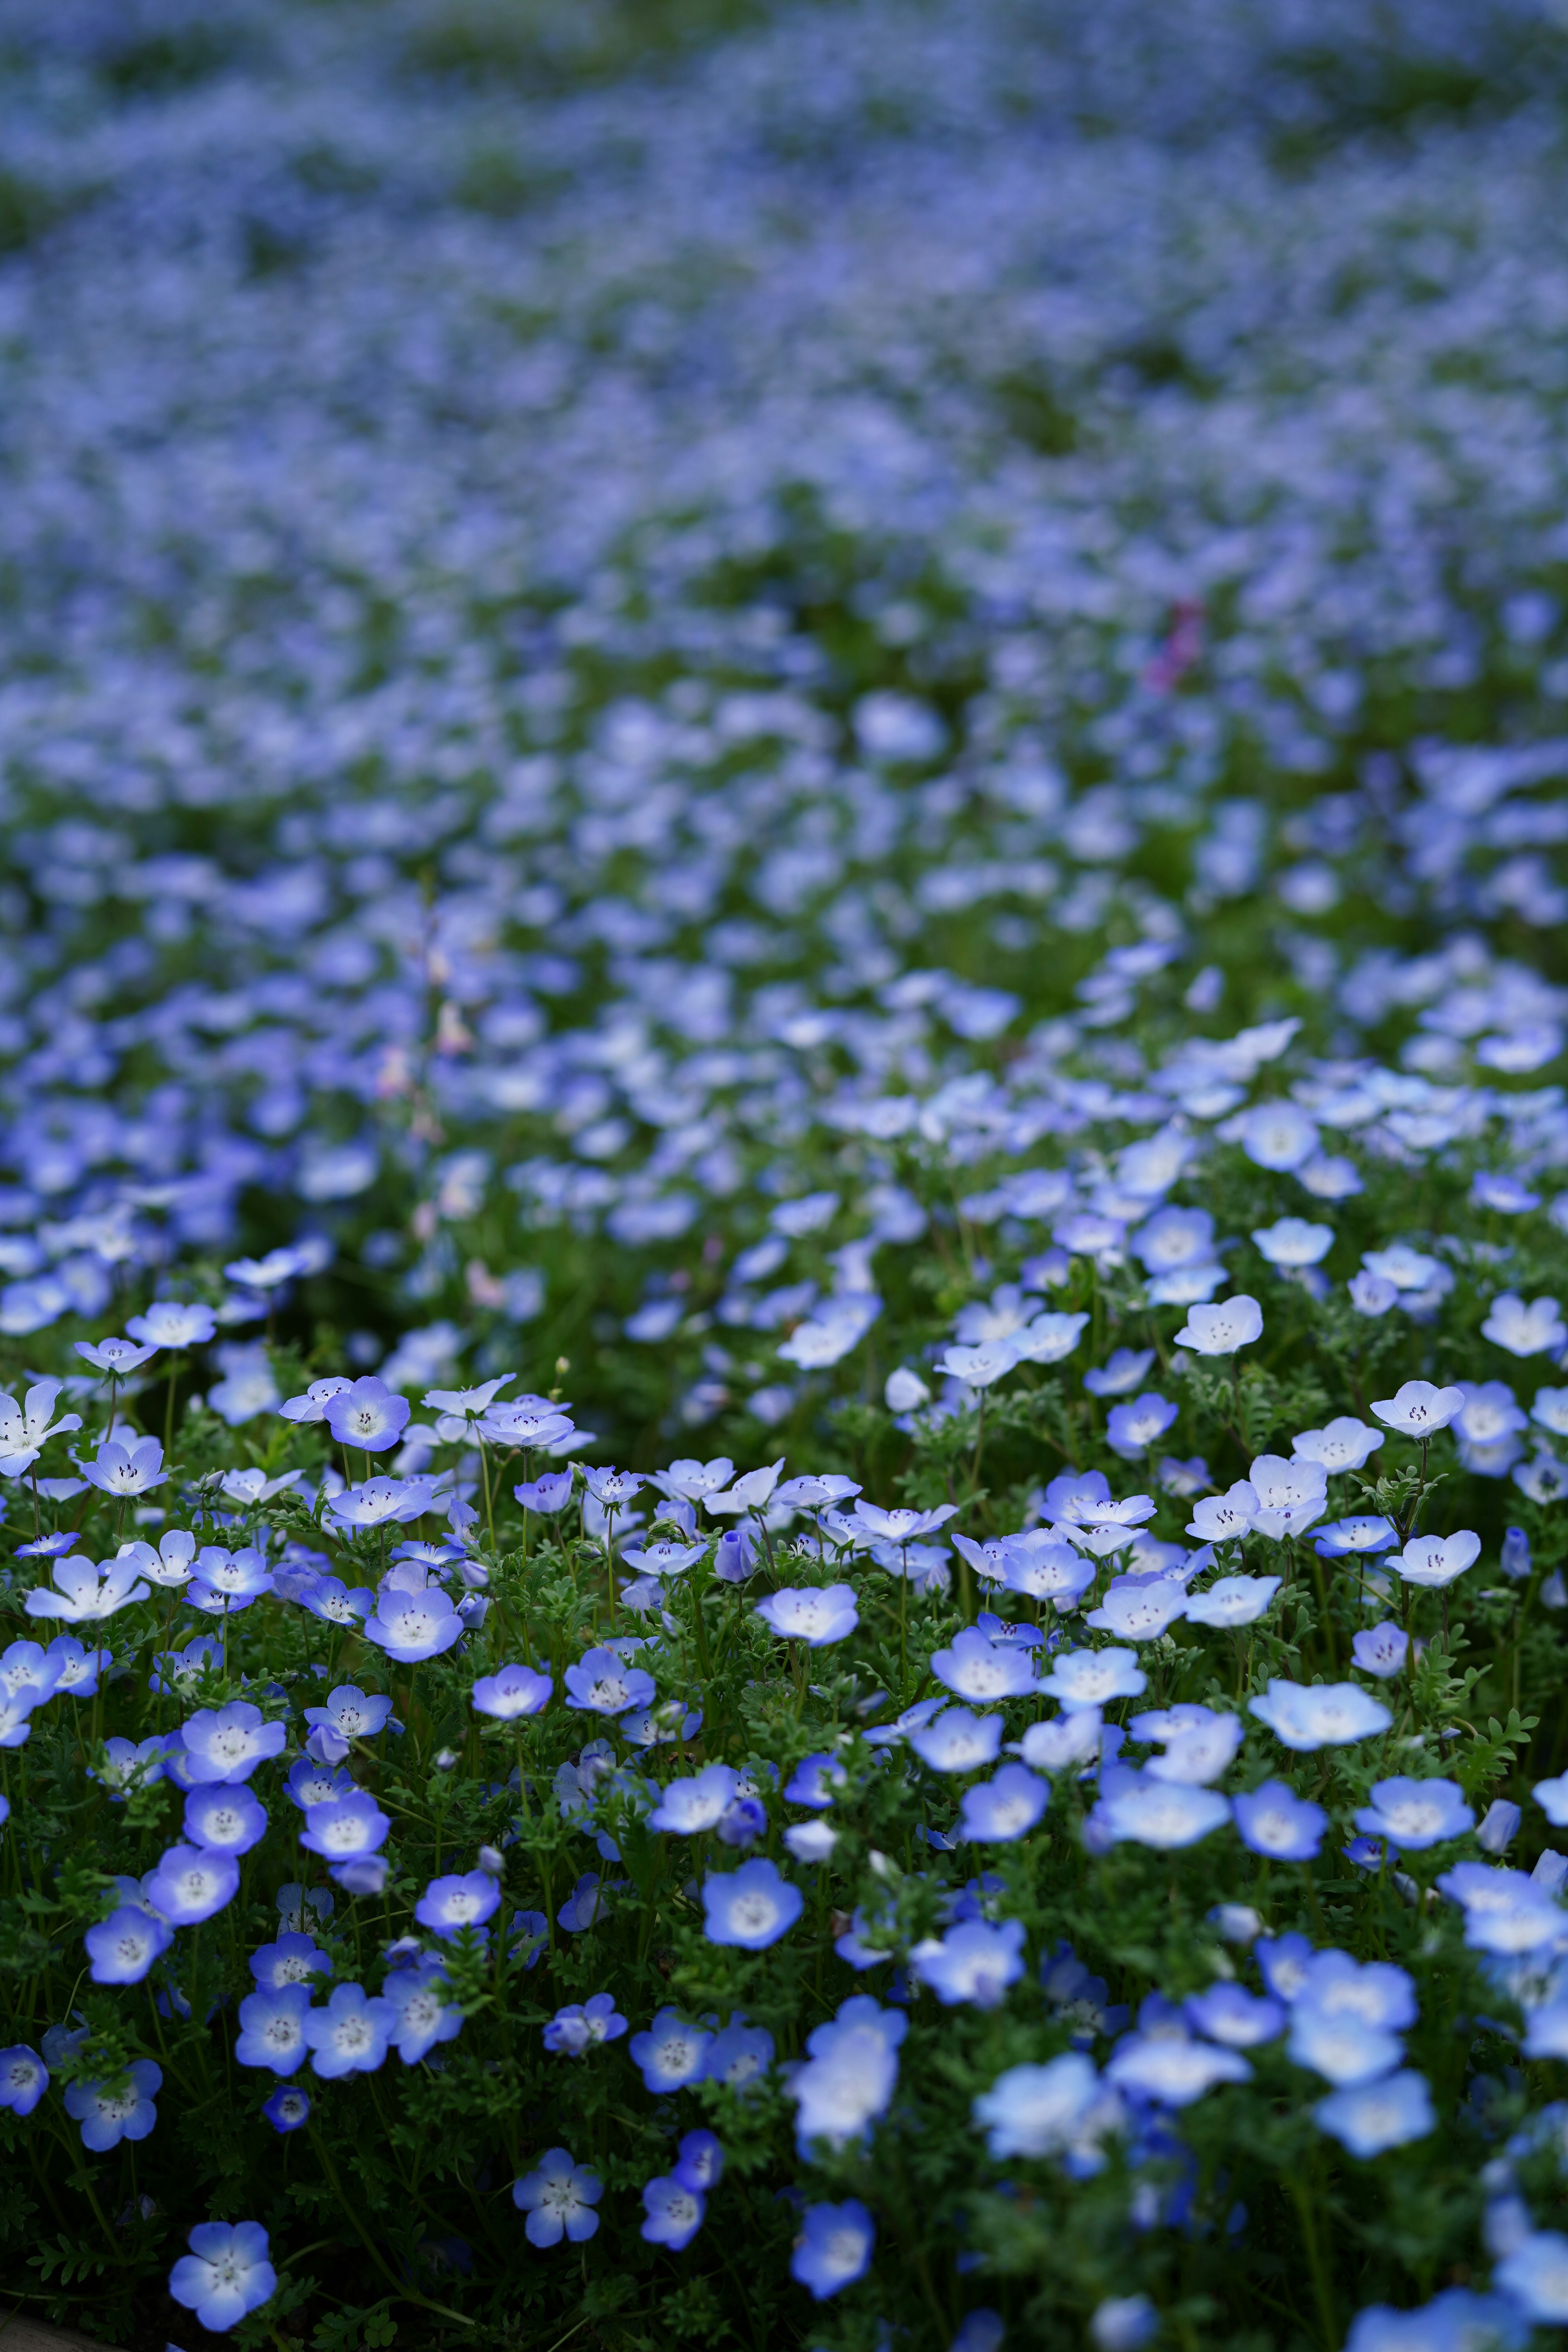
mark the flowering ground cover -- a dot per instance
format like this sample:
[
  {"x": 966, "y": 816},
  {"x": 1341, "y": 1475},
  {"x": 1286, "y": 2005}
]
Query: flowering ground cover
[{"x": 784, "y": 1182}]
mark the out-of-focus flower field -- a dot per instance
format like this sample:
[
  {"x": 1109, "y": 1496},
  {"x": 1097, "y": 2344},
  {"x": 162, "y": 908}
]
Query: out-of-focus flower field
[{"x": 783, "y": 1173}]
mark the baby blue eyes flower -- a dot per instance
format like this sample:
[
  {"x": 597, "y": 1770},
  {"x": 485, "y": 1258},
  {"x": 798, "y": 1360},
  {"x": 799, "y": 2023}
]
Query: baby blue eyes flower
[
  {"x": 225, "y": 1820},
  {"x": 603, "y": 1683},
  {"x": 367, "y": 1415},
  {"x": 1364, "y": 1533},
  {"x": 1381, "y": 1650},
  {"x": 574, "y": 2030},
  {"x": 750, "y": 1908},
  {"x": 1221, "y": 1329},
  {"x": 353, "y": 1711},
  {"x": 350, "y": 2034},
  {"x": 1230, "y": 2014},
  {"x": 227, "y": 1743},
  {"x": 1344, "y": 1444},
  {"x": 1231, "y": 1600},
  {"x": 689, "y": 1808},
  {"x": 1323, "y": 1714},
  {"x": 24, "y": 2079},
  {"x": 167, "y": 1324},
  {"x": 1091, "y": 1678},
  {"x": 111, "y": 2112},
  {"x": 558, "y": 2197},
  {"x": 547, "y": 1494},
  {"x": 191, "y": 1884},
  {"x": 1418, "y": 1410},
  {"x": 347, "y": 1829},
  {"x": 1535, "y": 1330},
  {"x": 412, "y": 1626},
  {"x": 1411, "y": 1815},
  {"x": 1275, "y": 1821},
  {"x": 834, "y": 2248},
  {"x": 583, "y": 1905},
  {"x": 1124, "y": 2323},
  {"x": 225, "y": 2274},
  {"x": 272, "y": 2027},
  {"x": 1000, "y": 1811},
  {"x": 1435, "y": 1560},
  {"x": 1131, "y": 1429},
  {"x": 958, "y": 1741},
  {"x": 423, "y": 2016},
  {"x": 1534, "y": 2276},
  {"x": 1167, "y": 2065},
  {"x": 670, "y": 2053},
  {"x": 982, "y": 1670},
  {"x": 294, "y": 1958},
  {"x": 118, "y": 1469},
  {"x": 699, "y": 2161},
  {"x": 816, "y": 1615},
  {"x": 974, "y": 1962},
  {"x": 1342, "y": 2047},
  {"x": 287, "y": 2109},
  {"x": 1134, "y": 1808},
  {"x": 80, "y": 1598},
  {"x": 1370, "y": 2118},
  {"x": 815, "y": 1781},
  {"x": 1045, "y": 2110},
  {"x": 1290, "y": 1242},
  {"x": 675, "y": 2213},
  {"x": 450, "y": 1905},
  {"x": 123, "y": 1947}
]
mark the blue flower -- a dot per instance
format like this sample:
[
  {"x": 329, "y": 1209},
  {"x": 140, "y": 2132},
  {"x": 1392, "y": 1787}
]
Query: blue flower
[
  {"x": 191, "y": 1883},
  {"x": 1124, "y": 2323},
  {"x": 675, "y": 2213},
  {"x": 699, "y": 2161},
  {"x": 834, "y": 2248},
  {"x": 814, "y": 1781},
  {"x": 850, "y": 2073},
  {"x": 367, "y": 1415},
  {"x": 688, "y": 1807},
  {"x": 1455, "y": 2321},
  {"x": 1273, "y": 1821},
  {"x": 111, "y": 2112},
  {"x": 511, "y": 1692},
  {"x": 739, "y": 2054},
  {"x": 1000, "y": 1811},
  {"x": 412, "y": 1626},
  {"x": 225, "y": 2274},
  {"x": 123, "y": 1947},
  {"x": 354, "y": 1713},
  {"x": 287, "y": 2108},
  {"x": 1166, "y": 2065},
  {"x": 1412, "y": 1815},
  {"x": 227, "y": 1743},
  {"x": 347, "y": 1829},
  {"x": 225, "y": 1820},
  {"x": 272, "y": 2027},
  {"x": 814, "y": 1614},
  {"x": 1534, "y": 2275},
  {"x": 974, "y": 1962},
  {"x": 1340, "y": 2046},
  {"x": 350, "y": 2034},
  {"x": 958, "y": 1740},
  {"x": 1375, "y": 2116},
  {"x": 750, "y": 1908},
  {"x": 558, "y": 2197},
  {"x": 531, "y": 1929},
  {"x": 450, "y": 1905},
  {"x": 294, "y": 1958},
  {"x": 1381, "y": 1650},
  {"x": 1230, "y": 2014},
  {"x": 982, "y": 1670},
  {"x": 23, "y": 2078},
  {"x": 1322, "y": 1714},
  {"x": 1141, "y": 1809},
  {"x": 422, "y": 2017},
  {"x": 603, "y": 1683},
  {"x": 575, "y": 2029}
]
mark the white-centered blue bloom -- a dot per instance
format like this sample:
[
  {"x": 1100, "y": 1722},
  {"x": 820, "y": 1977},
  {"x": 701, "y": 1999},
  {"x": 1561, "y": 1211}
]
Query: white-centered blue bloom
[
  {"x": 974, "y": 1962},
  {"x": 349, "y": 2035},
  {"x": 815, "y": 1615},
  {"x": 109, "y": 2112},
  {"x": 1322, "y": 1714},
  {"x": 1412, "y": 1815},
  {"x": 1005, "y": 1808},
  {"x": 225, "y": 2275},
  {"x": 671, "y": 2053},
  {"x": 834, "y": 2247},
  {"x": 558, "y": 2197},
  {"x": 750, "y": 1908},
  {"x": 958, "y": 1741},
  {"x": 1272, "y": 1820},
  {"x": 1368, "y": 2118}
]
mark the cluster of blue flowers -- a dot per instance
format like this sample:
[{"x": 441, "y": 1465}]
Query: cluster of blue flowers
[{"x": 782, "y": 1198}]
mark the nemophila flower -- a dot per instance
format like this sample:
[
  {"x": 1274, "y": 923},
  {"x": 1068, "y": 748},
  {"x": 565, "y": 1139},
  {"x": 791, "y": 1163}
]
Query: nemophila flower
[
  {"x": 750, "y": 1908},
  {"x": 225, "y": 2275},
  {"x": 1291, "y": 1496},
  {"x": 350, "y": 2034},
  {"x": 531, "y": 1932},
  {"x": 690, "y": 1807},
  {"x": 288, "y": 2109},
  {"x": 1044, "y": 1566},
  {"x": 1550, "y": 1410},
  {"x": 1344, "y": 2049},
  {"x": 1086, "y": 1678},
  {"x": 689, "y": 1480},
  {"x": 312, "y": 1406},
  {"x": 451, "y": 1904},
  {"x": 1221, "y": 1329},
  {"x": 272, "y": 2027},
  {"x": 1419, "y": 1409},
  {"x": 119, "y": 1358},
  {"x": 310, "y": 1782},
  {"x": 1000, "y": 1811},
  {"x": 412, "y": 1626},
  {"x": 1375, "y": 1992},
  {"x": 356, "y": 1713},
  {"x": 1124, "y": 2323},
  {"x": 664, "y": 1556},
  {"x": 1292, "y": 1243},
  {"x": 1500, "y": 1826},
  {"x": 123, "y": 1947},
  {"x": 675, "y": 2213},
  {"x": 1344, "y": 1444},
  {"x": 169, "y": 1324},
  {"x": 1371, "y": 1294},
  {"x": 1275, "y": 1821},
  {"x": 111, "y": 2112},
  {"x": 345, "y": 1830},
  {"x": 1412, "y": 1815},
  {"x": 191, "y": 1884},
  {"x": 1121, "y": 1371},
  {"x": 834, "y": 2248},
  {"x": 550, "y": 1494},
  {"x": 1436, "y": 1560},
  {"x": 558, "y": 2197},
  {"x": 1231, "y": 1600},
  {"x": 1138, "y": 1608},
  {"x": 227, "y": 1743},
  {"x": 1131, "y": 1429},
  {"x": 1138, "y": 1808},
  {"x": 380, "y": 1503},
  {"x": 124, "y": 1470},
  {"x": 739, "y": 2054},
  {"x": 815, "y": 1615},
  {"x": 1381, "y": 1650},
  {"x": 1165, "y": 2064},
  {"x": 366, "y": 1414},
  {"x": 295, "y": 1959},
  {"x": 333, "y": 1601},
  {"x": 86, "y": 1594},
  {"x": 1322, "y": 1714},
  {"x": 423, "y": 2016},
  {"x": 901, "y": 1527},
  {"x": 1044, "y": 2111},
  {"x": 974, "y": 1962},
  {"x": 1230, "y": 2014},
  {"x": 1365, "y": 1533},
  {"x": 980, "y": 1367},
  {"x": 16, "y": 1709},
  {"x": 1534, "y": 1329},
  {"x": 575, "y": 2029},
  {"x": 24, "y": 2079},
  {"x": 129, "y": 1764},
  {"x": 225, "y": 1820},
  {"x": 1197, "y": 1747},
  {"x": 1058, "y": 1747},
  {"x": 603, "y": 1683},
  {"x": 170, "y": 1565},
  {"x": 958, "y": 1741},
  {"x": 810, "y": 1841},
  {"x": 699, "y": 2161},
  {"x": 983, "y": 1671},
  {"x": 1368, "y": 2118},
  {"x": 1544, "y": 1479},
  {"x": 671, "y": 2054},
  {"x": 1533, "y": 2274}
]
